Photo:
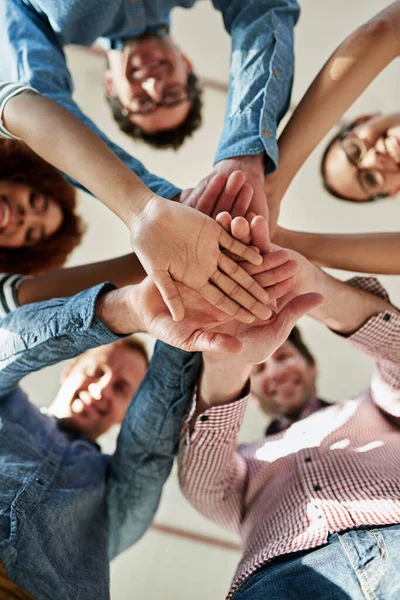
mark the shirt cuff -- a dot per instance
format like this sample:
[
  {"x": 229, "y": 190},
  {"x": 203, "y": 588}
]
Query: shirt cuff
[
  {"x": 225, "y": 416},
  {"x": 7, "y": 91}
]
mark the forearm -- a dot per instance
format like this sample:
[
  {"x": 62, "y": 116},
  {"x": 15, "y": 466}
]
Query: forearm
[
  {"x": 122, "y": 271},
  {"x": 147, "y": 444},
  {"x": 66, "y": 143},
  {"x": 360, "y": 252},
  {"x": 41, "y": 334},
  {"x": 223, "y": 381},
  {"x": 350, "y": 69},
  {"x": 345, "y": 308}
]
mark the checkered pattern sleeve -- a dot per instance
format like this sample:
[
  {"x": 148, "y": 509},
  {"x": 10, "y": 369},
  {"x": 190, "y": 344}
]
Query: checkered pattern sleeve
[
  {"x": 7, "y": 91},
  {"x": 212, "y": 473},
  {"x": 379, "y": 338},
  {"x": 9, "y": 285}
]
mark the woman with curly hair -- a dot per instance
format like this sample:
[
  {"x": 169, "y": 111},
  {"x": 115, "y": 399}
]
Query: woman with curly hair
[{"x": 39, "y": 227}]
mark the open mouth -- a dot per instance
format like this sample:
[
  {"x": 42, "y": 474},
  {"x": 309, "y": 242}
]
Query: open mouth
[
  {"x": 392, "y": 146},
  {"x": 5, "y": 214}
]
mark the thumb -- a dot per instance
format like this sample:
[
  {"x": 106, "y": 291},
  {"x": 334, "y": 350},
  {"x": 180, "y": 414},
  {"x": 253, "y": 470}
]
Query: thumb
[
  {"x": 209, "y": 341},
  {"x": 170, "y": 293},
  {"x": 294, "y": 310}
]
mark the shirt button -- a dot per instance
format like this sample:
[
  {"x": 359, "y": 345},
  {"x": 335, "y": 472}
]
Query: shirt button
[
  {"x": 34, "y": 338},
  {"x": 276, "y": 74},
  {"x": 317, "y": 488},
  {"x": 79, "y": 322},
  {"x": 203, "y": 418},
  {"x": 39, "y": 480},
  {"x": 386, "y": 317},
  {"x": 308, "y": 459},
  {"x": 267, "y": 133}
]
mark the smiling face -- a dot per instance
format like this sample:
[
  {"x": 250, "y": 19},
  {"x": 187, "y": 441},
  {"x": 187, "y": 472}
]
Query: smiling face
[
  {"x": 366, "y": 162},
  {"x": 99, "y": 387},
  {"x": 150, "y": 69},
  {"x": 26, "y": 216},
  {"x": 284, "y": 383}
]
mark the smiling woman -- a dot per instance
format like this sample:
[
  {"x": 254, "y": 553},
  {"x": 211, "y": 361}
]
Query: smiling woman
[{"x": 38, "y": 223}]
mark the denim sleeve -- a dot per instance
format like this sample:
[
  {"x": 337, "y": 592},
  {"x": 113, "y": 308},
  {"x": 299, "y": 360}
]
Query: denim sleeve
[
  {"x": 262, "y": 67},
  {"x": 147, "y": 444},
  {"x": 30, "y": 53},
  {"x": 44, "y": 333}
]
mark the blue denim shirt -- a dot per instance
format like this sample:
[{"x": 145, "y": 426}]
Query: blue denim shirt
[
  {"x": 33, "y": 34},
  {"x": 66, "y": 508}
]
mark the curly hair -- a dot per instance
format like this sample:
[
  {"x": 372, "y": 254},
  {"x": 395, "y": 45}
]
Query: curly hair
[
  {"x": 19, "y": 164},
  {"x": 168, "y": 138}
]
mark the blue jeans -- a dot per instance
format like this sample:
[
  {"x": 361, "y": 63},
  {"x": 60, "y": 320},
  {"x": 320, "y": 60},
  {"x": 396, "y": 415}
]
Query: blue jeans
[{"x": 355, "y": 565}]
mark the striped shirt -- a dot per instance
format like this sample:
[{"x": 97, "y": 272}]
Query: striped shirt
[
  {"x": 9, "y": 285},
  {"x": 337, "y": 469},
  {"x": 7, "y": 91}
]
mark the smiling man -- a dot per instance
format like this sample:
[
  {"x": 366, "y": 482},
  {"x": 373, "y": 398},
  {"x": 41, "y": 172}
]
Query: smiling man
[{"x": 98, "y": 386}]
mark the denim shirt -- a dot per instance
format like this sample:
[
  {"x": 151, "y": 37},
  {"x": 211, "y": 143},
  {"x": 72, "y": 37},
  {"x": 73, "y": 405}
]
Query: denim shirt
[
  {"x": 66, "y": 508},
  {"x": 33, "y": 34}
]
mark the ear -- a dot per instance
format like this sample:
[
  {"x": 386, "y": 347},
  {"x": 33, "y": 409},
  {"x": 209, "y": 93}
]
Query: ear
[{"x": 109, "y": 84}]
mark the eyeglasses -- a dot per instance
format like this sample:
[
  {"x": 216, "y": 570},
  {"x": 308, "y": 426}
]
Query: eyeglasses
[
  {"x": 144, "y": 105},
  {"x": 371, "y": 180}
]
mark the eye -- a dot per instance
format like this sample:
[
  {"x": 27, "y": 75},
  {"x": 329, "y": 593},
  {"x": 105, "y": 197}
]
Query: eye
[
  {"x": 372, "y": 181},
  {"x": 120, "y": 386},
  {"x": 38, "y": 202},
  {"x": 354, "y": 152}
]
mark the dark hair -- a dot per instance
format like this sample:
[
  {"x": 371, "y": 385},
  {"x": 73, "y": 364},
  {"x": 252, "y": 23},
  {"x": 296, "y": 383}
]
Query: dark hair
[
  {"x": 19, "y": 164},
  {"x": 297, "y": 341},
  {"x": 331, "y": 190},
  {"x": 168, "y": 138}
]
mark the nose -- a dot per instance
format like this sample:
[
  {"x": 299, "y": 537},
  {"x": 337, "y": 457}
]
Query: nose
[
  {"x": 154, "y": 87},
  {"x": 278, "y": 375}
]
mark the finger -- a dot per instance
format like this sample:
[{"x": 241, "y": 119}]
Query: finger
[
  {"x": 208, "y": 341},
  {"x": 217, "y": 298},
  {"x": 243, "y": 201},
  {"x": 273, "y": 276},
  {"x": 281, "y": 289},
  {"x": 240, "y": 296},
  {"x": 295, "y": 309},
  {"x": 240, "y": 230},
  {"x": 260, "y": 234},
  {"x": 211, "y": 193},
  {"x": 269, "y": 261},
  {"x": 236, "y": 247},
  {"x": 237, "y": 274},
  {"x": 224, "y": 219},
  {"x": 228, "y": 195},
  {"x": 250, "y": 216},
  {"x": 170, "y": 293}
]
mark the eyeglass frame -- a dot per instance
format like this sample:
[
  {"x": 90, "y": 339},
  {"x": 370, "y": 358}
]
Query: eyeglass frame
[
  {"x": 190, "y": 94},
  {"x": 341, "y": 136}
]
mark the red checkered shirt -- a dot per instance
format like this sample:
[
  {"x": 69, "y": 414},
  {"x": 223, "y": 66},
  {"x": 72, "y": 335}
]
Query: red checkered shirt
[{"x": 337, "y": 469}]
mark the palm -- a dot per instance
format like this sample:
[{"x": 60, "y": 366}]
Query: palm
[{"x": 196, "y": 332}]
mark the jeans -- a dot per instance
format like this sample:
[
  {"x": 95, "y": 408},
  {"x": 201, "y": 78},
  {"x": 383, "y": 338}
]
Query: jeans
[{"x": 355, "y": 565}]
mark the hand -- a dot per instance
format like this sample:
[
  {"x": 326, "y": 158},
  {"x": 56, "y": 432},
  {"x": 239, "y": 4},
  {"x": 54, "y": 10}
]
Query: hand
[
  {"x": 261, "y": 339},
  {"x": 220, "y": 192},
  {"x": 177, "y": 244}
]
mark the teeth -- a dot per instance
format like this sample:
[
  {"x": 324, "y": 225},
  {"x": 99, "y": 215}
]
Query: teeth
[
  {"x": 392, "y": 146},
  {"x": 6, "y": 215}
]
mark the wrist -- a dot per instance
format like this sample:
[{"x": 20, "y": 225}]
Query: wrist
[
  {"x": 248, "y": 162},
  {"x": 222, "y": 382},
  {"x": 117, "y": 310}
]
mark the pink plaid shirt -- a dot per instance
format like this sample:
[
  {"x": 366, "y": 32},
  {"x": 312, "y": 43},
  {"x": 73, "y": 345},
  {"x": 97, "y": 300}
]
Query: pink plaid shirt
[{"x": 337, "y": 469}]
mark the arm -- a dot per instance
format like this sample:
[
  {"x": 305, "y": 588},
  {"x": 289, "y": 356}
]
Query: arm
[
  {"x": 32, "y": 55},
  {"x": 262, "y": 54},
  {"x": 363, "y": 252},
  {"x": 147, "y": 444},
  {"x": 121, "y": 271},
  {"x": 346, "y": 74}
]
